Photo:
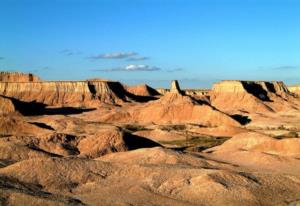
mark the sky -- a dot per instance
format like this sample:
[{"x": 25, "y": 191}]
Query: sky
[{"x": 197, "y": 42}]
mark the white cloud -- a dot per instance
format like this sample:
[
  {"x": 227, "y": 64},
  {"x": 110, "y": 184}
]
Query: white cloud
[
  {"x": 116, "y": 55},
  {"x": 131, "y": 68}
]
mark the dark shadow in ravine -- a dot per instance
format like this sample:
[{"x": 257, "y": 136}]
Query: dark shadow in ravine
[
  {"x": 137, "y": 142},
  {"x": 35, "y": 108},
  {"x": 141, "y": 98},
  {"x": 42, "y": 125},
  {"x": 257, "y": 90},
  {"x": 243, "y": 120}
]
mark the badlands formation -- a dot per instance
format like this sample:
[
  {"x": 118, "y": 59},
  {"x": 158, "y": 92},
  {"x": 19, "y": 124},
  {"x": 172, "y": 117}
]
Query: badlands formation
[{"x": 99, "y": 142}]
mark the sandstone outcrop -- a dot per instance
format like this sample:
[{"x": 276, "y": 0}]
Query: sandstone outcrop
[
  {"x": 6, "y": 106},
  {"x": 18, "y": 77},
  {"x": 66, "y": 93},
  {"x": 111, "y": 140},
  {"x": 172, "y": 108},
  {"x": 175, "y": 87},
  {"x": 11, "y": 124},
  {"x": 142, "y": 90},
  {"x": 252, "y": 96}
]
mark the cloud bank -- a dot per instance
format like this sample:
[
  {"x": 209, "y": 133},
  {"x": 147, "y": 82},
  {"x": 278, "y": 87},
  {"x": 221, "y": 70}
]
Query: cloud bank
[
  {"x": 116, "y": 55},
  {"x": 131, "y": 68}
]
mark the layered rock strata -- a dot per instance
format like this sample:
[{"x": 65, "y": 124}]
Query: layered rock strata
[
  {"x": 252, "y": 96},
  {"x": 18, "y": 77},
  {"x": 65, "y": 93}
]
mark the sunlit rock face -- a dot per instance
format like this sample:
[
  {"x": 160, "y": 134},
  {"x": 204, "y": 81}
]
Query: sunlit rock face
[
  {"x": 6, "y": 106},
  {"x": 175, "y": 87},
  {"x": 28, "y": 88},
  {"x": 18, "y": 77},
  {"x": 142, "y": 90},
  {"x": 251, "y": 96}
]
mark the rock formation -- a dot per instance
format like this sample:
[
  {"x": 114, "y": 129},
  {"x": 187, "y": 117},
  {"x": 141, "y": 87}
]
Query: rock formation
[
  {"x": 172, "y": 108},
  {"x": 6, "y": 106},
  {"x": 197, "y": 92},
  {"x": 175, "y": 87},
  {"x": 251, "y": 96},
  {"x": 122, "y": 153},
  {"x": 18, "y": 77},
  {"x": 66, "y": 93},
  {"x": 142, "y": 90}
]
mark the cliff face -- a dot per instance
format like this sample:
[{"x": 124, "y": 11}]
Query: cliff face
[
  {"x": 18, "y": 77},
  {"x": 172, "y": 108},
  {"x": 65, "y": 93},
  {"x": 251, "y": 96},
  {"x": 257, "y": 88}
]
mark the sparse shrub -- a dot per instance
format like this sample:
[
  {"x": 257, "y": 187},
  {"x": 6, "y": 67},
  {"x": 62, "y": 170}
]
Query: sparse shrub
[
  {"x": 177, "y": 127},
  {"x": 134, "y": 127}
]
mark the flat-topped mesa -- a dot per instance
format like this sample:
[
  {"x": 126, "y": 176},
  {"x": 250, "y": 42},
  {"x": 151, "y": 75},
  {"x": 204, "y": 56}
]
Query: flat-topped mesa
[
  {"x": 175, "y": 87},
  {"x": 260, "y": 88},
  {"x": 18, "y": 77},
  {"x": 66, "y": 93},
  {"x": 250, "y": 96}
]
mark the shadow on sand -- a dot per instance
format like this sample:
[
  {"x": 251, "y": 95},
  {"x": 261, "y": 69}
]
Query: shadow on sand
[{"x": 35, "y": 108}]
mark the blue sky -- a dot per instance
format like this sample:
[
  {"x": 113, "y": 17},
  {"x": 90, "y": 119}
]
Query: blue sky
[{"x": 152, "y": 41}]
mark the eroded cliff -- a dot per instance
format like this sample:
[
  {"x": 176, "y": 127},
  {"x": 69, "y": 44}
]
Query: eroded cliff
[
  {"x": 18, "y": 77},
  {"x": 29, "y": 88},
  {"x": 65, "y": 93},
  {"x": 252, "y": 96}
]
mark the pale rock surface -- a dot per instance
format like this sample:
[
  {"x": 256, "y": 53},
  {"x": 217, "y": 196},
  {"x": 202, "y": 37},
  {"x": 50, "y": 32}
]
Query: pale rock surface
[
  {"x": 294, "y": 89},
  {"x": 18, "y": 77},
  {"x": 175, "y": 87},
  {"x": 6, "y": 106},
  {"x": 65, "y": 93},
  {"x": 252, "y": 97},
  {"x": 142, "y": 90}
]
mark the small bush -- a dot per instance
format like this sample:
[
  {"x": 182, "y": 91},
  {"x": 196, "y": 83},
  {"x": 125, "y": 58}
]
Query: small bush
[
  {"x": 178, "y": 127},
  {"x": 134, "y": 127}
]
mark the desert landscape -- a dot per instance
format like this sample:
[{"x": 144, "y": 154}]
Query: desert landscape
[
  {"x": 149, "y": 103},
  {"x": 101, "y": 142}
]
